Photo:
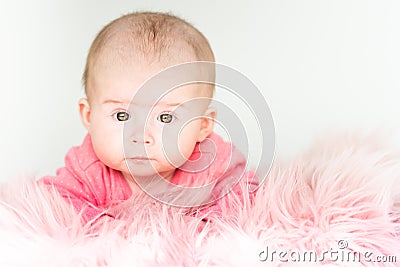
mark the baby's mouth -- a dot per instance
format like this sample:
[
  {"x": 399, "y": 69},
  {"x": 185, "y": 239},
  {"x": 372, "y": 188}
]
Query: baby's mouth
[{"x": 140, "y": 159}]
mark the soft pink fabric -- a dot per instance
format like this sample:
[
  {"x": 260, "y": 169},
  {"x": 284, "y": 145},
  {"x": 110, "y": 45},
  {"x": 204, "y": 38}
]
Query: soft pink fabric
[{"x": 93, "y": 188}]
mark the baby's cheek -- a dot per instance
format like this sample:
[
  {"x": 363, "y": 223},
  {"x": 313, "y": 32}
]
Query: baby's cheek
[
  {"x": 176, "y": 145},
  {"x": 112, "y": 154},
  {"x": 189, "y": 133},
  {"x": 186, "y": 148}
]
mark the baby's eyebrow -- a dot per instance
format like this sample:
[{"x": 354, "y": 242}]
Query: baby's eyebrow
[
  {"x": 160, "y": 103},
  {"x": 168, "y": 104},
  {"x": 113, "y": 101}
]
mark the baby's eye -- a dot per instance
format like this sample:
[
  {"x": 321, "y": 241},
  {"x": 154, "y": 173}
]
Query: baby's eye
[
  {"x": 166, "y": 118},
  {"x": 121, "y": 116}
]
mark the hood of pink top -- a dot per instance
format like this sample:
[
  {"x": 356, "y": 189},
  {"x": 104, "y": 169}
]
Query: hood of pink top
[{"x": 213, "y": 161}]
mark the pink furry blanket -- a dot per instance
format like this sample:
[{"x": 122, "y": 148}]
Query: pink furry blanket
[{"x": 338, "y": 204}]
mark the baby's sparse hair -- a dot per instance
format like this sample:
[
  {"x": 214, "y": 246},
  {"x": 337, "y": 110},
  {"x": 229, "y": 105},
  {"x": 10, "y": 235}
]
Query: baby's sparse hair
[{"x": 147, "y": 36}]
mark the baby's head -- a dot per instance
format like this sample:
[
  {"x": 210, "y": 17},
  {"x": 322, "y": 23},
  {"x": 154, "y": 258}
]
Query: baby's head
[{"x": 125, "y": 54}]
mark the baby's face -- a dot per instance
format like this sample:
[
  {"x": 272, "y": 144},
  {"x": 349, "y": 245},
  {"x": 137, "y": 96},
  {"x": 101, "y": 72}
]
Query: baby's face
[{"x": 139, "y": 134}]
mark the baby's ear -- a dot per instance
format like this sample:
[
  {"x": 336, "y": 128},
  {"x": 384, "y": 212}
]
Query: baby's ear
[
  {"x": 207, "y": 123},
  {"x": 84, "y": 112}
]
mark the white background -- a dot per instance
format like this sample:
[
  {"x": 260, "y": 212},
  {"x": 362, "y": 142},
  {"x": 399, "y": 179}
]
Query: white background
[{"x": 322, "y": 66}]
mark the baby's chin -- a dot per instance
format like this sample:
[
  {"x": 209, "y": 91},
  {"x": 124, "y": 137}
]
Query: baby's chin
[{"x": 147, "y": 173}]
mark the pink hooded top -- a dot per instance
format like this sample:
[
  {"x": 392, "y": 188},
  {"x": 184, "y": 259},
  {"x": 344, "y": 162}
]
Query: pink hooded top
[{"x": 92, "y": 187}]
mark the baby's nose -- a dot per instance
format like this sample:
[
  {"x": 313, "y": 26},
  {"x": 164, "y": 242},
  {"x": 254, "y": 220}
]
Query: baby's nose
[
  {"x": 141, "y": 140},
  {"x": 136, "y": 132}
]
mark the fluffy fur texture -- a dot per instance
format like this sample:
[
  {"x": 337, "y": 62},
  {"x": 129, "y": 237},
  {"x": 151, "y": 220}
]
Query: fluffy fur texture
[{"x": 341, "y": 189}]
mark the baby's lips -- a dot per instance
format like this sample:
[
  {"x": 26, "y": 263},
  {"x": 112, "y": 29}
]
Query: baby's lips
[{"x": 140, "y": 158}]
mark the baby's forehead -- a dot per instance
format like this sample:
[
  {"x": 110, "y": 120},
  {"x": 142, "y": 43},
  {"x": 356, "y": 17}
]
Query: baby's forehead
[
  {"x": 186, "y": 97},
  {"x": 125, "y": 60},
  {"x": 178, "y": 94},
  {"x": 134, "y": 70},
  {"x": 192, "y": 90},
  {"x": 125, "y": 84}
]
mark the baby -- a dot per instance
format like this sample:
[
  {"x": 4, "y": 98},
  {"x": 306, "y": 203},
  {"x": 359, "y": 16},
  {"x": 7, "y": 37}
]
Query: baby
[{"x": 125, "y": 150}]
